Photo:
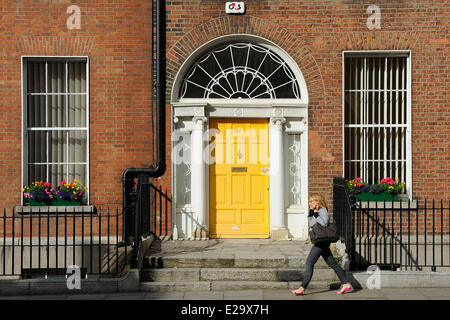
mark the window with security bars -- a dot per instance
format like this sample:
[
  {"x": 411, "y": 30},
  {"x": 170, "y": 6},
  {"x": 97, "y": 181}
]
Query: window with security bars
[
  {"x": 376, "y": 113},
  {"x": 55, "y": 119}
]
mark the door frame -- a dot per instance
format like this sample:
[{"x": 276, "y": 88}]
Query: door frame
[{"x": 266, "y": 194}]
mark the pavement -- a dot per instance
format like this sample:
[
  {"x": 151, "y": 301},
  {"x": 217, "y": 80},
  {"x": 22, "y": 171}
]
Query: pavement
[{"x": 242, "y": 295}]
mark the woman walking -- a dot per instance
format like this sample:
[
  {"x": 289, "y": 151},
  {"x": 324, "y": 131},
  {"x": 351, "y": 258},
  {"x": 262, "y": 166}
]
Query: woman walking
[{"x": 318, "y": 213}]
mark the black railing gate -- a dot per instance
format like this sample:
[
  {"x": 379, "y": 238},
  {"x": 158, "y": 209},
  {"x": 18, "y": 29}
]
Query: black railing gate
[
  {"x": 343, "y": 217},
  {"x": 412, "y": 234}
]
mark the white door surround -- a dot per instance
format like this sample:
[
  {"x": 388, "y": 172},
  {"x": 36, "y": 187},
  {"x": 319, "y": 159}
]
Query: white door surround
[{"x": 285, "y": 116}]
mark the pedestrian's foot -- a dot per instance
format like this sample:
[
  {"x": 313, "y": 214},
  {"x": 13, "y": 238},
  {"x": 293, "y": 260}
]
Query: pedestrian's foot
[
  {"x": 345, "y": 288},
  {"x": 299, "y": 292}
]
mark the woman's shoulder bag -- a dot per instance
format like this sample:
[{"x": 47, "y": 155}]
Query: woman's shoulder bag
[{"x": 320, "y": 234}]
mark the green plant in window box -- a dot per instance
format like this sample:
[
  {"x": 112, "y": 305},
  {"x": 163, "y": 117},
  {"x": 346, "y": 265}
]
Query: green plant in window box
[
  {"x": 66, "y": 194},
  {"x": 69, "y": 193},
  {"x": 39, "y": 194},
  {"x": 386, "y": 190}
]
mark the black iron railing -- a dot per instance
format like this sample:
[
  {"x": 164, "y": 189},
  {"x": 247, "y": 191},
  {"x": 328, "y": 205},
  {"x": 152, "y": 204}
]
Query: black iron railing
[
  {"x": 392, "y": 235},
  {"x": 48, "y": 241},
  {"x": 150, "y": 213},
  {"x": 161, "y": 205},
  {"x": 343, "y": 217},
  {"x": 408, "y": 235}
]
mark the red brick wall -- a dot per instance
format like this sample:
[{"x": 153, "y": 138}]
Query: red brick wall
[{"x": 116, "y": 35}]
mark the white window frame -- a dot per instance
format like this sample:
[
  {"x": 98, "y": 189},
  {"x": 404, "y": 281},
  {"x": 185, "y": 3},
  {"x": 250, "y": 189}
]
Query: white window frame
[
  {"x": 24, "y": 157},
  {"x": 389, "y": 53}
]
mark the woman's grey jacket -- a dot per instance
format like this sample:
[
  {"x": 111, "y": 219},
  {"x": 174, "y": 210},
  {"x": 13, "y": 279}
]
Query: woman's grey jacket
[{"x": 321, "y": 217}]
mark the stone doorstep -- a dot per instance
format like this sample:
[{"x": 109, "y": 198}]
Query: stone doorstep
[
  {"x": 187, "y": 261},
  {"x": 229, "y": 285},
  {"x": 232, "y": 274}
]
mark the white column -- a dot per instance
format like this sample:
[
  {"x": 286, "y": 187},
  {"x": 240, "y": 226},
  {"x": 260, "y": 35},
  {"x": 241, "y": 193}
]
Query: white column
[
  {"x": 198, "y": 182},
  {"x": 276, "y": 179}
]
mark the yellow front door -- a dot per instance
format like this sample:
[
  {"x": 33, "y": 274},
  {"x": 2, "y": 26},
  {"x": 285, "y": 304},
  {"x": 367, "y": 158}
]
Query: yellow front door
[{"x": 239, "y": 180}]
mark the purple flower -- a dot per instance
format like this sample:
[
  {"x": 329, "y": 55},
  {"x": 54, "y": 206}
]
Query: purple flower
[
  {"x": 378, "y": 189},
  {"x": 365, "y": 189}
]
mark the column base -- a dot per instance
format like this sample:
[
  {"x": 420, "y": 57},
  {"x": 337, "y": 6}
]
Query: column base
[
  {"x": 281, "y": 234},
  {"x": 200, "y": 234}
]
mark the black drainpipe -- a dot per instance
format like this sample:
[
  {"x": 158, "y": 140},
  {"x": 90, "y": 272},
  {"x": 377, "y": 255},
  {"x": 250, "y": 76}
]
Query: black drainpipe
[{"x": 130, "y": 174}]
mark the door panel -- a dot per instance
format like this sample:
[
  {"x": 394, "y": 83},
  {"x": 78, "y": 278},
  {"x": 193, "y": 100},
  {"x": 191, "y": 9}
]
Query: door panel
[{"x": 239, "y": 201}]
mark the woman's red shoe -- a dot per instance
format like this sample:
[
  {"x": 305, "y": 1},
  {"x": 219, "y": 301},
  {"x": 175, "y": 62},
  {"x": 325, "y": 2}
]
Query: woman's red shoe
[
  {"x": 346, "y": 289},
  {"x": 302, "y": 293}
]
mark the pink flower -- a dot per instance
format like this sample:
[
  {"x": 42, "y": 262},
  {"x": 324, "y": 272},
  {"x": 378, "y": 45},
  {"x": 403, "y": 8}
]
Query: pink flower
[
  {"x": 63, "y": 182},
  {"x": 46, "y": 184},
  {"x": 359, "y": 184}
]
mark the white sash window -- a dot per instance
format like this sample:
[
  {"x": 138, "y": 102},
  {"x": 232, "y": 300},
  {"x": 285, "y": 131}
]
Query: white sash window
[
  {"x": 377, "y": 113},
  {"x": 55, "y": 120}
]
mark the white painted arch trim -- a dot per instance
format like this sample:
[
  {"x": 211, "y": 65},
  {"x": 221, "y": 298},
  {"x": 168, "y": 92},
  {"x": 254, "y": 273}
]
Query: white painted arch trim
[{"x": 245, "y": 38}]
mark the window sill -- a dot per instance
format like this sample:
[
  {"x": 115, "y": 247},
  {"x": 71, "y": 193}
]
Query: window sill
[
  {"x": 55, "y": 209},
  {"x": 403, "y": 204}
]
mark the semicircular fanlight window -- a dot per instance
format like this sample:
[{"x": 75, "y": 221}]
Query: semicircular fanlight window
[{"x": 240, "y": 70}]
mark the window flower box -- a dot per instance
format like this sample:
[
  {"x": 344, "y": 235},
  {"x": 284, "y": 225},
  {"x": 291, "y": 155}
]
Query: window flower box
[
  {"x": 35, "y": 203},
  {"x": 62, "y": 202},
  {"x": 387, "y": 190},
  {"x": 66, "y": 194},
  {"x": 383, "y": 196}
]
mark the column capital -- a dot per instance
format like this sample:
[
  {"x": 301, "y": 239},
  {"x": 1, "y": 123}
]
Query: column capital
[
  {"x": 198, "y": 122},
  {"x": 278, "y": 122}
]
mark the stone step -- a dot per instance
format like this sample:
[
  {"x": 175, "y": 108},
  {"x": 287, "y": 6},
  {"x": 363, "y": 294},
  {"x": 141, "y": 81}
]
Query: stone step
[
  {"x": 230, "y": 285},
  {"x": 204, "y": 261},
  {"x": 232, "y": 274}
]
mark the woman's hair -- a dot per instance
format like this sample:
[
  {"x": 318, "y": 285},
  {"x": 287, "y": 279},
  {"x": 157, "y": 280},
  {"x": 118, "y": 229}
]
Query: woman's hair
[{"x": 319, "y": 198}]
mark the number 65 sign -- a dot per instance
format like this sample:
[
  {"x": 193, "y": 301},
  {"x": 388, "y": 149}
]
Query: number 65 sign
[{"x": 235, "y": 7}]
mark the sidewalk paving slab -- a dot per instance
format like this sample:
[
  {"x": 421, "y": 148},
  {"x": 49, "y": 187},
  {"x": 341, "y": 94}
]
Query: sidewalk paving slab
[
  {"x": 432, "y": 293},
  {"x": 243, "y": 295},
  {"x": 129, "y": 296},
  {"x": 204, "y": 295},
  {"x": 87, "y": 297},
  {"x": 164, "y": 296}
]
